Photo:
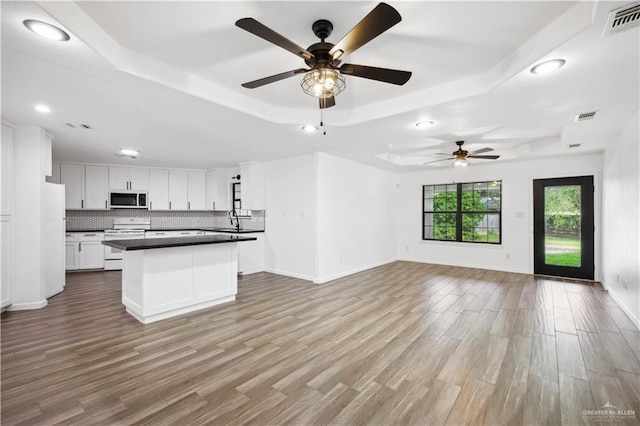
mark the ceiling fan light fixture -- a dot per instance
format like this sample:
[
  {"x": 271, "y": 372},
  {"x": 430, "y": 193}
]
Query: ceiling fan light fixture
[
  {"x": 323, "y": 83},
  {"x": 461, "y": 162},
  {"x": 547, "y": 66}
]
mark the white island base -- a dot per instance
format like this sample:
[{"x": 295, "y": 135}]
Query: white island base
[{"x": 164, "y": 282}]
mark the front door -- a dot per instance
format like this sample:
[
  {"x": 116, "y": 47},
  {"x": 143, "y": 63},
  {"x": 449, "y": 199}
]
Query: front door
[{"x": 563, "y": 227}]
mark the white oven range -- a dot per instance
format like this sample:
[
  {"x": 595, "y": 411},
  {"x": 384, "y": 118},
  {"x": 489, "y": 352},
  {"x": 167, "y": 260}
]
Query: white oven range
[{"x": 125, "y": 228}]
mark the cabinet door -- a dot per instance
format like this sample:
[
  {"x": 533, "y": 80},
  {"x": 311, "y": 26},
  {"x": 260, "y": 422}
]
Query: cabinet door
[
  {"x": 159, "y": 190},
  {"x": 90, "y": 255},
  {"x": 212, "y": 190},
  {"x": 139, "y": 179},
  {"x": 70, "y": 256},
  {"x": 5, "y": 261},
  {"x": 197, "y": 190},
  {"x": 96, "y": 192},
  {"x": 223, "y": 197},
  {"x": 251, "y": 255},
  {"x": 178, "y": 190},
  {"x": 118, "y": 178},
  {"x": 72, "y": 177}
]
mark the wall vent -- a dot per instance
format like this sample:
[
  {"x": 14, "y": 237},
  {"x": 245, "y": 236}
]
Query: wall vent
[
  {"x": 585, "y": 116},
  {"x": 622, "y": 19},
  {"x": 574, "y": 145}
]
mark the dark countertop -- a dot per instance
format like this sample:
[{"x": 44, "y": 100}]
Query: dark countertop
[
  {"x": 225, "y": 230},
  {"x": 155, "y": 243}
]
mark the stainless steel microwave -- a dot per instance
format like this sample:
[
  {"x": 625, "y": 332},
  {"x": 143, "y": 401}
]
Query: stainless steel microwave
[{"x": 128, "y": 200}]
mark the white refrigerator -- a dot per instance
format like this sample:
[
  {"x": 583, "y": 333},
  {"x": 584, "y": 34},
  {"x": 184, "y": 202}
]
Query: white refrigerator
[{"x": 54, "y": 231}]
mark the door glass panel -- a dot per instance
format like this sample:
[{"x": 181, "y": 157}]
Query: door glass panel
[{"x": 562, "y": 219}]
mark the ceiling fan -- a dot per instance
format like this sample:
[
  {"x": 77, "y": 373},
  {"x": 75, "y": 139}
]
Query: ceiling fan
[
  {"x": 460, "y": 155},
  {"x": 324, "y": 78}
]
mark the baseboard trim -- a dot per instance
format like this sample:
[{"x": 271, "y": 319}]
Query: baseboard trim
[
  {"x": 289, "y": 274},
  {"x": 622, "y": 306},
  {"x": 467, "y": 265},
  {"x": 352, "y": 271},
  {"x": 27, "y": 306}
]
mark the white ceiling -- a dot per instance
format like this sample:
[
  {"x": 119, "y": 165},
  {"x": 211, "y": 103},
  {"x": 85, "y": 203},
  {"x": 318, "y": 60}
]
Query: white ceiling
[{"x": 164, "y": 77}]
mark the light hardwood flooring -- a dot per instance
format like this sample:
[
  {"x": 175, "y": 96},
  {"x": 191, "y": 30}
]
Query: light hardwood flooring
[{"x": 403, "y": 344}]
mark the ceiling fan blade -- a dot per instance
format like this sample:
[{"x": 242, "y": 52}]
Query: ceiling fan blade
[
  {"x": 441, "y": 153},
  {"x": 273, "y": 78},
  {"x": 264, "y": 32},
  {"x": 480, "y": 151},
  {"x": 484, "y": 157},
  {"x": 380, "y": 74},
  {"x": 379, "y": 20},
  {"x": 327, "y": 102},
  {"x": 444, "y": 159}
]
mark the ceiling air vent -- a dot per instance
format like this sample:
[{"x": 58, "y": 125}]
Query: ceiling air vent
[
  {"x": 585, "y": 116},
  {"x": 622, "y": 19},
  {"x": 86, "y": 126}
]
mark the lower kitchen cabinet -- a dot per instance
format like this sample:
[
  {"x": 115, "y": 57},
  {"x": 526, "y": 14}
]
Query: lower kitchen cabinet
[
  {"x": 251, "y": 255},
  {"x": 84, "y": 251}
]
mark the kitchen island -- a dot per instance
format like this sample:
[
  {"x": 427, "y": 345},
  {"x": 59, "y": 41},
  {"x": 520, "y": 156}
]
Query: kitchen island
[{"x": 165, "y": 277}]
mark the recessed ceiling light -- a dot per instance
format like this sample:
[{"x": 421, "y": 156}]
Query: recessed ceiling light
[
  {"x": 547, "y": 66},
  {"x": 128, "y": 152},
  {"x": 46, "y": 30},
  {"x": 309, "y": 128},
  {"x": 43, "y": 109},
  {"x": 424, "y": 124}
]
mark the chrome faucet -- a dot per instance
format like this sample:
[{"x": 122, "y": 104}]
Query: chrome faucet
[{"x": 233, "y": 214}]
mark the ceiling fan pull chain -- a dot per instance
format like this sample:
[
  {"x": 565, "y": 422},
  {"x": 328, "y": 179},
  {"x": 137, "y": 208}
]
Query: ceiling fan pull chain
[{"x": 324, "y": 130}]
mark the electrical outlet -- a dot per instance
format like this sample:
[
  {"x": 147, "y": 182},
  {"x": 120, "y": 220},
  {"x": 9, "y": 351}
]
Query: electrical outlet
[
  {"x": 408, "y": 248},
  {"x": 507, "y": 256},
  {"x": 617, "y": 278},
  {"x": 625, "y": 284}
]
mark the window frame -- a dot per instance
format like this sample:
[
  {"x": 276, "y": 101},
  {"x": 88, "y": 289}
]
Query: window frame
[{"x": 459, "y": 212}]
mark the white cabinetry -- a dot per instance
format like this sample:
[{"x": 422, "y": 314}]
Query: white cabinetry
[
  {"x": 84, "y": 250},
  {"x": 251, "y": 254},
  {"x": 125, "y": 178},
  {"x": 85, "y": 186},
  {"x": 71, "y": 252},
  {"x": 252, "y": 180},
  {"x": 96, "y": 191},
  {"x": 187, "y": 190},
  {"x": 217, "y": 190},
  {"x": 178, "y": 190},
  {"x": 196, "y": 191},
  {"x": 72, "y": 177},
  {"x": 158, "y": 189}
]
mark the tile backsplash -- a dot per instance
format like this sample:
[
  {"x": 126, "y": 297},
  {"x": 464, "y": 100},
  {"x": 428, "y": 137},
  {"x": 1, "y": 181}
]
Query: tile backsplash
[{"x": 78, "y": 220}]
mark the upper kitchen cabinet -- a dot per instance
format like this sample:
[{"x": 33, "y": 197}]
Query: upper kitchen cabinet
[
  {"x": 85, "y": 186},
  {"x": 95, "y": 187},
  {"x": 197, "y": 192},
  {"x": 72, "y": 177},
  {"x": 252, "y": 180},
  {"x": 217, "y": 190},
  {"x": 55, "y": 174},
  {"x": 126, "y": 178},
  {"x": 158, "y": 189},
  {"x": 187, "y": 190}
]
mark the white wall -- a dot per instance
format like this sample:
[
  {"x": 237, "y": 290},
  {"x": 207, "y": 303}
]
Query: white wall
[
  {"x": 515, "y": 254},
  {"x": 620, "y": 214},
  {"x": 290, "y": 217},
  {"x": 356, "y": 217},
  {"x": 6, "y": 214},
  {"x": 30, "y": 146}
]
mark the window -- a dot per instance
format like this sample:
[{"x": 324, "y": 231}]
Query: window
[{"x": 466, "y": 212}]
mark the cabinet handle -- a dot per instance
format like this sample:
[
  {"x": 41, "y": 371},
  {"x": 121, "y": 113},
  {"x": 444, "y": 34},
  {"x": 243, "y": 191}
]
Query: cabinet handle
[
  {"x": 79, "y": 246},
  {"x": 189, "y": 205},
  {"x": 214, "y": 205},
  {"x": 105, "y": 204},
  {"x": 89, "y": 235},
  {"x": 169, "y": 205},
  {"x": 150, "y": 205},
  {"x": 82, "y": 204}
]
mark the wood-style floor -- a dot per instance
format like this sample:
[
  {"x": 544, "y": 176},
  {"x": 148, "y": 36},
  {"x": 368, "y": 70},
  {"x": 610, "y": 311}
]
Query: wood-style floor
[{"x": 403, "y": 344}]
